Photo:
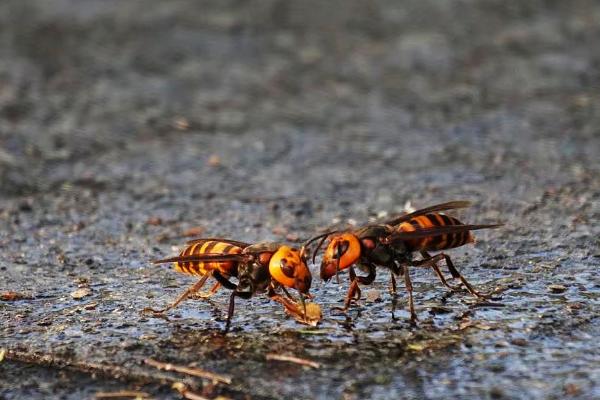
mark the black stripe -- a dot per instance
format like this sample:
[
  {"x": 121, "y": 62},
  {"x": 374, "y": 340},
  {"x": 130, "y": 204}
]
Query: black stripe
[
  {"x": 442, "y": 242},
  {"x": 193, "y": 265},
  {"x": 433, "y": 219},
  {"x": 447, "y": 237},
  {"x": 184, "y": 265},
  {"x": 227, "y": 249},
  {"x": 447, "y": 220},
  {"x": 458, "y": 236},
  {"x": 464, "y": 238},
  {"x": 455, "y": 221},
  {"x": 457, "y": 239},
  {"x": 435, "y": 241},
  {"x": 452, "y": 237},
  {"x": 210, "y": 246}
]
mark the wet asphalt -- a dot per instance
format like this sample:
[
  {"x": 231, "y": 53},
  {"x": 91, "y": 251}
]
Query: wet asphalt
[{"x": 128, "y": 128}]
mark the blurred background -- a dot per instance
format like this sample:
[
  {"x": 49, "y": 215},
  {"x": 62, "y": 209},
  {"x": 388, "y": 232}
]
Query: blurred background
[
  {"x": 128, "y": 127},
  {"x": 84, "y": 80}
]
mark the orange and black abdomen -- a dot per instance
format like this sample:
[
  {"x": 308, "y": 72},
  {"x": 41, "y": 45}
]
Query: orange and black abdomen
[
  {"x": 439, "y": 242},
  {"x": 227, "y": 268}
]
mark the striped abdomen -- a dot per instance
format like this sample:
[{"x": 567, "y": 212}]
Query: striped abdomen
[
  {"x": 227, "y": 268},
  {"x": 439, "y": 242}
]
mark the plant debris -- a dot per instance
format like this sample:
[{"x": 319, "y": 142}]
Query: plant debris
[
  {"x": 122, "y": 393},
  {"x": 81, "y": 293},
  {"x": 193, "y": 231},
  {"x": 293, "y": 359},
  {"x": 557, "y": 288},
  {"x": 13, "y": 296},
  {"x": 217, "y": 378}
]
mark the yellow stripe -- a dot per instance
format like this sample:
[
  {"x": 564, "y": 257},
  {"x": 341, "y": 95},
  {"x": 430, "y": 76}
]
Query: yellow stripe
[
  {"x": 202, "y": 250},
  {"x": 235, "y": 250},
  {"x": 204, "y": 246},
  {"x": 177, "y": 267},
  {"x": 406, "y": 227},
  {"x": 192, "y": 249},
  {"x": 194, "y": 265},
  {"x": 425, "y": 222},
  {"x": 217, "y": 249},
  {"x": 440, "y": 220}
]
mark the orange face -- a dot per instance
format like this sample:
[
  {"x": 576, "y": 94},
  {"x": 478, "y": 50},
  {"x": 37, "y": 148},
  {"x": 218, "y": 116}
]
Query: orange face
[
  {"x": 342, "y": 252},
  {"x": 288, "y": 268}
]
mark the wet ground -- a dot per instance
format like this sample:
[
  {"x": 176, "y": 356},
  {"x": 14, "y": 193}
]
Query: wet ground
[{"x": 125, "y": 126}]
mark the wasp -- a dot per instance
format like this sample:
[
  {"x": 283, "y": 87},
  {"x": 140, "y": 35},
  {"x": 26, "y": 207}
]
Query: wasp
[
  {"x": 392, "y": 244},
  {"x": 259, "y": 268}
]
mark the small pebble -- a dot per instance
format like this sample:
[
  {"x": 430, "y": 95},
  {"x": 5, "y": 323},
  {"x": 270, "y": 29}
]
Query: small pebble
[
  {"x": 292, "y": 237},
  {"x": 214, "y": 161},
  {"x": 81, "y": 293},
  {"x": 557, "y": 288},
  {"x": 373, "y": 295},
  {"x": 154, "y": 221},
  {"x": 193, "y": 231},
  {"x": 572, "y": 389},
  {"x": 12, "y": 296},
  {"x": 519, "y": 342},
  {"x": 279, "y": 230},
  {"x": 181, "y": 123}
]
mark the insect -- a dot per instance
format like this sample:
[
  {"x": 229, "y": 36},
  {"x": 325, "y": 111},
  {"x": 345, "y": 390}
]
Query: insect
[
  {"x": 392, "y": 244},
  {"x": 259, "y": 268}
]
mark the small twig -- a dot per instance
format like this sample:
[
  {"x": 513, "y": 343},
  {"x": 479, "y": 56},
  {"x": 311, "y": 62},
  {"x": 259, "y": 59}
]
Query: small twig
[
  {"x": 186, "y": 392},
  {"x": 107, "y": 370},
  {"x": 122, "y": 393},
  {"x": 487, "y": 304},
  {"x": 189, "y": 371},
  {"x": 13, "y": 296},
  {"x": 293, "y": 359}
]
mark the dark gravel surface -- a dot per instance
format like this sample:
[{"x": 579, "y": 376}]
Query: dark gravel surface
[{"x": 125, "y": 124}]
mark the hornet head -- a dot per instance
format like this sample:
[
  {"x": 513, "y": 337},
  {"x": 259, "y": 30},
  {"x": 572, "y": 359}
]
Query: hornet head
[
  {"x": 288, "y": 267},
  {"x": 343, "y": 250}
]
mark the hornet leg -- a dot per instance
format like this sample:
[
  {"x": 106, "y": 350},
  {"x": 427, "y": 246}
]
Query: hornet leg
[
  {"x": 411, "y": 303},
  {"x": 231, "y": 286},
  {"x": 303, "y": 297},
  {"x": 230, "y": 310},
  {"x": 224, "y": 281},
  {"x": 290, "y": 305},
  {"x": 456, "y": 274},
  {"x": 429, "y": 261},
  {"x": 354, "y": 292},
  {"x": 192, "y": 289},
  {"x": 363, "y": 280},
  {"x": 208, "y": 294}
]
